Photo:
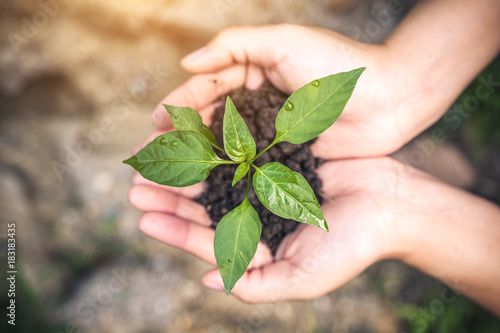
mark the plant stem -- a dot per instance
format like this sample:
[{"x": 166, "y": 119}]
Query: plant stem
[
  {"x": 227, "y": 162},
  {"x": 249, "y": 178},
  {"x": 217, "y": 147},
  {"x": 262, "y": 152}
]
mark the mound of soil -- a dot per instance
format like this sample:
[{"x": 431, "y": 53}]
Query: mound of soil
[{"x": 259, "y": 109}]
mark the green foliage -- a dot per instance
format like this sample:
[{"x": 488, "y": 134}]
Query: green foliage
[
  {"x": 179, "y": 158},
  {"x": 456, "y": 314},
  {"x": 303, "y": 116},
  {"x": 236, "y": 239},
  {"x": 238, "y": 142},
  {"x": 185, "y": 157},
  {"x": 287, "y": 194},
  {"x": 241, "y": 171},
  {"x": 188, "y": 119}
]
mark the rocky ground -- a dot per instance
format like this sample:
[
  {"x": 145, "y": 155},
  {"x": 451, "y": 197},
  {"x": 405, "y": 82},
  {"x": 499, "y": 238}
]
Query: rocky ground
[{"x": 78, "y": 83}]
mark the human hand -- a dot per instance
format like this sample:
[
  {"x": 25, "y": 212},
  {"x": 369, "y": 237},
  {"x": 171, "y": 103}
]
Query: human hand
[
  {"x": 361, "y": 209},
  {"x": 289, "y": 56}
]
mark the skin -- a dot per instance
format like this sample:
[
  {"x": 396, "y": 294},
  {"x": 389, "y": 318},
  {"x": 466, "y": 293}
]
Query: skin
[{"x": 379, "y": 208}]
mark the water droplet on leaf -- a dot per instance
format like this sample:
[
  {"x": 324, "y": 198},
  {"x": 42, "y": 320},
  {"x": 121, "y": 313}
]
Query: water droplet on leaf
[
  {"x": 289, "y": 106},
  {"x": 204, "y": 127},
  {"x": 163, "y": 142},
  {"x": 315, "y": 83},
  {"x": 175, "y": 116},
  {"x": 174, "y": 143}
]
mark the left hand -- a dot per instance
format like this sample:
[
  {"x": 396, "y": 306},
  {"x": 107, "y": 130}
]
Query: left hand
[{"x": 361, "y": 209}]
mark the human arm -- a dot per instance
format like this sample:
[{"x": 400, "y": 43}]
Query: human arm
[
  {"x": 411, "y": 78},
  {"x": 436, "y": 51},
  {"x": 376, "y": 209}
]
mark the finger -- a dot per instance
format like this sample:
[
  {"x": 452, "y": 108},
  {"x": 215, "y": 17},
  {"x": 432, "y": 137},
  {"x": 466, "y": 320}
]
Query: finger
[
  {"x": 189, "y": 192},
  {"x": 263, "y": 46},
  {"x": 265, "y": 280},
  {"x": 336, "y": 176},
  {"x": 276, "y": 282},
  {"x": 200, "y": 91},
  {"x": 262, "y": 257},
  {"x": 174, "y": 231},
  {"x": 344, "y": 177},
  {"x": 255, "y": 77},
  {"x": 369, "y": 145},
  {"x": 259, "y": 285},
  {"x": 154, "y": 199},
  {"x": 351, "y": 176}
]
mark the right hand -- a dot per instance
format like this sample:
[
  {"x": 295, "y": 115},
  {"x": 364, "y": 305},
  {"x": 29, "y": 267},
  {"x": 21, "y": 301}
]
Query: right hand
[{"x": 290, "y": 56}]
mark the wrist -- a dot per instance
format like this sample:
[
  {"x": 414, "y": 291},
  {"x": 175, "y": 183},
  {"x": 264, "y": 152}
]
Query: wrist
[
  {"x": 418, "y": 200},
  {"x": 433, "y": 57}
]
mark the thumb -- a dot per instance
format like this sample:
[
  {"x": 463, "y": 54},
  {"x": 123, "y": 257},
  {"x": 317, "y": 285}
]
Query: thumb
[
  {"x": 263, "y": 46},
  {"x": 279, "y": 281}
]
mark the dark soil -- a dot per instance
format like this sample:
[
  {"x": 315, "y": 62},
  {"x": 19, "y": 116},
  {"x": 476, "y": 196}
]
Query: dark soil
[{"x": 259, "y": 109}]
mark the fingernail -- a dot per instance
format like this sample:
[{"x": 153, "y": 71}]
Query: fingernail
[
  {"x": 213, "y": 285},
  {"x": 194, "y": 55},
  {"x": 159, "y": 115}
]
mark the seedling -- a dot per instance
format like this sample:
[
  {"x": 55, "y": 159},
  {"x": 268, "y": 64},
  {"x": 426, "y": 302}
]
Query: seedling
[{"x": 186, "y": 156}]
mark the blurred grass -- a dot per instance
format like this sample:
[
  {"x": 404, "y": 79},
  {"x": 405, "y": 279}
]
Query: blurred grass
[
  {"x": 31, "y": 313},
  {"x": 459, "y": 316}
]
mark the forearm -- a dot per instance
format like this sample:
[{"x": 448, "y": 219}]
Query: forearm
[
  {"x": 436, "y": 52},
  {"x": 455, "y": 237}
]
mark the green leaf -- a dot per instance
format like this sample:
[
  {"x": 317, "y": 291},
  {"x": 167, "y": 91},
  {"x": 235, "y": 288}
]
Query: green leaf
[
  {"x": 188, "y": 119},
  {"x": 177, "y": 159},
  {"x": 241, "y": 172},
  {"x": 287, "y": 194},
  {"x": 236, "y": 238},
  {"x": 313, "y": 108},
  {"x": 238, "y": 142}
]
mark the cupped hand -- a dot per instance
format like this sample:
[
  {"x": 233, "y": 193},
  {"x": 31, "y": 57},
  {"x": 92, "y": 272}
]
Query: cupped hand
[
  {"x": 362, "y": 204},
  {"x": 290, "y": 56}
]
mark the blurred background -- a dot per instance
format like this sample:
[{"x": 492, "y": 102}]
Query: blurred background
[{"x": 78, "y": 82}]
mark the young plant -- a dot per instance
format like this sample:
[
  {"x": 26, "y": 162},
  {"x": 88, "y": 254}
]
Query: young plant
[{"x": 185, "y": 157}]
